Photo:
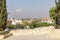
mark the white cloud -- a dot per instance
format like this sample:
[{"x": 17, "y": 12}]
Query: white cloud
[{"x": 19, "y": 10}]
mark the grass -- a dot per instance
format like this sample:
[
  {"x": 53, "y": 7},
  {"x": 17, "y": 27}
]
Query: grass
[{"x": 3, "y": 32}]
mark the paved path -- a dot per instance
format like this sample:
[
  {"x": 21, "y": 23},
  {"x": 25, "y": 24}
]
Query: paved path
[
  {"x": 36, "y": 34},
  {"x": 31, "y": 37}
]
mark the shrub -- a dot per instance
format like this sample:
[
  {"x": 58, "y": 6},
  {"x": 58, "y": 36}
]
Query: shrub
[
  {"x": 2, "y": 32},
  {"x": 32, "y": 25},
  {"x": 11, "y": 26},
  {"x": 39, "y": 24},
  {"x": 19, "y": 26},
  {"x": 44, "y": 24}
]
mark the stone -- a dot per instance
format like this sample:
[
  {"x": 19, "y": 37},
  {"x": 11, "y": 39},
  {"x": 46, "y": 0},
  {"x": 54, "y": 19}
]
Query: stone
[{"x": 8, "y": 35}]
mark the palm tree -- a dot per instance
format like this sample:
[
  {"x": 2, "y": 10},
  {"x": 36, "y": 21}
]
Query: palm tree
[{"x": 3, "y": 14}]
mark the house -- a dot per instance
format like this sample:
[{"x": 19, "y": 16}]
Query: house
[
  {"x": 16, "y": 21},
  {"x": 9, "y": 22},
  {"x": 48, "y": 20}
]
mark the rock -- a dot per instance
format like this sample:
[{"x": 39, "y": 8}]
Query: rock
[{"x": 7, "y": 35}]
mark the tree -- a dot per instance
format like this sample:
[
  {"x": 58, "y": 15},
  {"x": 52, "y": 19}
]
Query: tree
[
  {"x": 25, "y": 22},
  {"x": 3, "y": 14},
  {"x": 55, "y": 14},
  {"x": 52, "y": 13},
  {"x": 58, "y": 14}
]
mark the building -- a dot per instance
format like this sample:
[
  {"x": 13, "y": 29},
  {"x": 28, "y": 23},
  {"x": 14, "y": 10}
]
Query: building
[
  {"x": 9, "y": 22},
  {"x": 48, "y": 20},
  {"x": 16, "y": 21}
]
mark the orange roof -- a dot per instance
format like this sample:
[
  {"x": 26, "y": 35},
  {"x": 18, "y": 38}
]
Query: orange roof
[{"x": 46, "y": 19}]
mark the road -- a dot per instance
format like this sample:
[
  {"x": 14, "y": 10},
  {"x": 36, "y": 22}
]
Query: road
[
  {"x": 46, "y": 33},
  {"x": 31, "y": 37}
]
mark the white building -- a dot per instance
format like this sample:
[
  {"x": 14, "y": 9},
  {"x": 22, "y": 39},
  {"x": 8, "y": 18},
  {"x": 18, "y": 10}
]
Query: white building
[
  {"x": 16, "y": 21},
  {"x": 47, "y": 20}
]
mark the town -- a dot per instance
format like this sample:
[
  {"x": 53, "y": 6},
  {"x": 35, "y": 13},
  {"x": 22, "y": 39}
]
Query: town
[
  {"x": 29, "y": 19},
  {"x": 30, "y": 22}
]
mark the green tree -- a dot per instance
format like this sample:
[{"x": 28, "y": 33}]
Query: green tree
[
  {"x": 58, "y": 14},
  {"x": 25, "y": 22},
  {"x": 52, "y": 13},
  {"x": 3, "y": 14}
]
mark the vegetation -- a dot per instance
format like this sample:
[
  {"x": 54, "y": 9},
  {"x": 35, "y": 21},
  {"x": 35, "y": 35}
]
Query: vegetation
[
  {"x": 52, "y": 13},
  {"x": 17, "y": 26},
  {"x": 39, "y": 24},
  {"x": 33, "y": 24},
  {"x": 25, "y": 22},
  {"x": 58, "y": 14},
  {"x": 3, "y": 15},
  {"x": 3, "y": 32},
  {"x": 55, "y": 14}
]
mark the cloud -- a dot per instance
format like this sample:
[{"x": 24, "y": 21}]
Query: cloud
[{"x": 19, "y": 10}]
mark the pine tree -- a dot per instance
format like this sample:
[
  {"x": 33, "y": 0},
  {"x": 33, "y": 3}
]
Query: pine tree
[
  {"x": 3, "y": 14},
  {"x": 58, "y": 14}
]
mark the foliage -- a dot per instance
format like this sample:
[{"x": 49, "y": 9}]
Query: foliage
[
  {"x": 44, "y": 24},
  {"x": 32, "y": 25},
  {"x": 52, "y": 13},
  {"x": 39, "y": 24},
  {"x": 11, "y": 26},
  {"x": 17, "y": 26},
  {"x": 2, "y": 32},
  {"x": 25, "y": 22},
  {"x": 3, "y": 15}
]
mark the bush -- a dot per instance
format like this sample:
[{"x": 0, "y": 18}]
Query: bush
[
  {"x": 19, "y": 26},
  {"x": 44, "y": 24},
  {"x": 11, "y": 26},
  {"x": 32, "y": 25},
  {"x": 2, "y": 32},
  {"x": 39, "y": 24}
]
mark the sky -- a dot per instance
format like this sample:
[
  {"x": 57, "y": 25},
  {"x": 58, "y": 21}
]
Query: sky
[{"x": 29, "y": 8}]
